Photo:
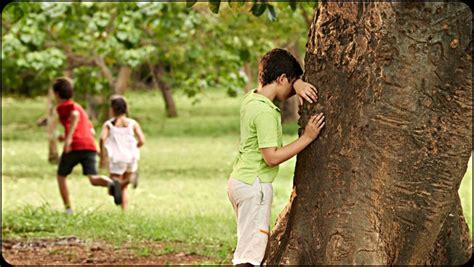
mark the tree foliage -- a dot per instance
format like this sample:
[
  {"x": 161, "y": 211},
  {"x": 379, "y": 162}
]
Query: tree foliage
[{"x": 199, "y": 48}]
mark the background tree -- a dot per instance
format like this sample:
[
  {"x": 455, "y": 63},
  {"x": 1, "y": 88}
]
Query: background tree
[
  {"x": 110, "y": 41},
  {"x": 40, "y": 65},
  {"x": 99, "y": 45}
]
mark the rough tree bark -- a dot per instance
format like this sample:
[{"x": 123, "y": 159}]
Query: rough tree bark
[
  {"x": 157, "y": 72},
  {"x": 380, "y": 185}
]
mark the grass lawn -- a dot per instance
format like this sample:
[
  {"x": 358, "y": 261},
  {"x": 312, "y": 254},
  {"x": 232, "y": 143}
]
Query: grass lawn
[
  {"x": 183, "y": 177},
  {"x": 181, "y": 198}
]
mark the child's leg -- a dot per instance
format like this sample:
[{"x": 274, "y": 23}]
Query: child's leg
[
  {"x": 125, "y": 181},
  {"x": 130, "y": 172},
  {"x": 63, "y": 190},
  {"x": 117, "y": 170},
  {"x": 65, "y": 166},
  {"x": 253, "y": 205},
  {"x": 89, "y": 168},
  {"x": 99, "y": 180},
  {"x": 117, "y": 188}
]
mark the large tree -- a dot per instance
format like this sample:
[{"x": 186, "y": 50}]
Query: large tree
[{"x": 380, "y": 185}]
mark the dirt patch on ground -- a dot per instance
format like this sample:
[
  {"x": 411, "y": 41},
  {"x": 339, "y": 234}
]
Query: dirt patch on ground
[{"x": 71, "y": 250}]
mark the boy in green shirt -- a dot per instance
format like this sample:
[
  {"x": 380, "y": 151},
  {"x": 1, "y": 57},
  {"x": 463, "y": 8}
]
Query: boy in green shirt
[{"x": 260, "y": 152}]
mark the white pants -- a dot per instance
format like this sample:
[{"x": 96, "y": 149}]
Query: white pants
[{"x": 252, "y": 205}]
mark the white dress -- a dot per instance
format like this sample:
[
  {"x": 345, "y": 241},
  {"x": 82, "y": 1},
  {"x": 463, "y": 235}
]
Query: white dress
[{"x": 122, "y": 147}]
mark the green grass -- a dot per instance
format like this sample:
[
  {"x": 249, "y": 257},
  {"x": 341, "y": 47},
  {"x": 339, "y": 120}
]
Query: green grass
[
  {"x": 183, "y": 174},
  {"x": 183, "y": 177}
]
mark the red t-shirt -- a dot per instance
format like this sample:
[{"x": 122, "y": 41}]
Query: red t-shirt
[{"x": 82, "y": 138}]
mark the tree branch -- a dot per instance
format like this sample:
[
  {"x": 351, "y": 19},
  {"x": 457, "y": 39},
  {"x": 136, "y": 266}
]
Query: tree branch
[
  {"x": 75, "y": 61},
  {"x": 99, "y": 61}
]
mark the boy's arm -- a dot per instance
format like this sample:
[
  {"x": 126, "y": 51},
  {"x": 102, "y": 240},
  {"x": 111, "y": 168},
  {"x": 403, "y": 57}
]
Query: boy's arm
[
  {"x": 304, "y": 90},
  {"x": 103, "y": 136},
  {"x": 61, "y": 137},
  {"x": 74, "y": 120},
  {"x": 139, "y": 134},
  {"x": 274, "y": 156}
]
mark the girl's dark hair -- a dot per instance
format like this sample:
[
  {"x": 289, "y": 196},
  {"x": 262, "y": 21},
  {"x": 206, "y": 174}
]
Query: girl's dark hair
[
  {"x": 63, "y": 87},
  {"x": 275, "y": 63},
  {"x": 118, "y": 105}
]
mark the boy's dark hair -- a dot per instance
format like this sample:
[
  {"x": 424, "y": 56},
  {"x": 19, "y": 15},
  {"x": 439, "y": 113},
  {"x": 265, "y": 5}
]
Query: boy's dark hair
[
  {"x": 275, "y": 63},
  {"x": 118, "y": 105},
  {"x": 63, "y": 87}
]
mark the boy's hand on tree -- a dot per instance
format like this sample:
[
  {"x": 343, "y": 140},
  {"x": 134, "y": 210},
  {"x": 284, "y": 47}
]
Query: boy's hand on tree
[
  {"x": 314, "y": 126},
  {"x": 61, "y": 138},
  {"x": 306, "y": 91}
]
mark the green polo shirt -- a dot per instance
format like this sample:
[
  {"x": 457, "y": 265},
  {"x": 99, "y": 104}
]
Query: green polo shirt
[{"x": 260, "y": 127}]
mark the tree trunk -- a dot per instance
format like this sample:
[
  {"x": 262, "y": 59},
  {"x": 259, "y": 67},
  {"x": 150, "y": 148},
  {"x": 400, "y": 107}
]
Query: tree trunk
[
  {"x": 51, "y": 128},
  {"x": 99, "y": 61},
  {"x": 380, "y": 185},
  {"x": 117, "y": 85},
  {"x": 92, "y": 104},
  {"x": 123, "y": 78},
  {"x": 157, "y": 73}
]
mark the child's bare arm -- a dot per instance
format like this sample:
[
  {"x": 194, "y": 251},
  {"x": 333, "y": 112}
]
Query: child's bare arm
[
  {"x": 61, "y": 137},
  {"x": 139, "y": 134},
  {"x": 274, "y": 156},
  {"x": 74, "y": 120},
  {"x": 103, "y": 135}
]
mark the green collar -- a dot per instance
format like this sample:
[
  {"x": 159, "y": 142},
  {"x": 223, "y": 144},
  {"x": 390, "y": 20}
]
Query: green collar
[{"x": 264, "y": 99}]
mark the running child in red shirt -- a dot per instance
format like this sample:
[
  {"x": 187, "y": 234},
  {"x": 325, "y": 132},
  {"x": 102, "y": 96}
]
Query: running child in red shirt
[{"x": 79, "y": 144}]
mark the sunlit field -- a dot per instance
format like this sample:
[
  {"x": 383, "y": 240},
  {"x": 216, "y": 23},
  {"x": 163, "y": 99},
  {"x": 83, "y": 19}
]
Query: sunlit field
[{"x": 182, "y": 188}]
